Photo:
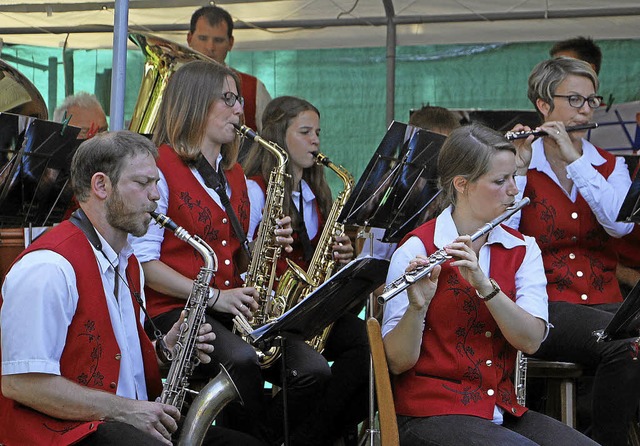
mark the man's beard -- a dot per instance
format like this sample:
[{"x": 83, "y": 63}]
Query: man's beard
[{"x": 124, "y": 219}]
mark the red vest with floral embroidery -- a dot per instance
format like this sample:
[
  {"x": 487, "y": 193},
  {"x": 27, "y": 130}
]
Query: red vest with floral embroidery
[
  {"x": 465, "y": 364},
  {"x": 578, "y": 254},
  {"x": 91, "y": 353},
  {"x": 191, "y": 207}
]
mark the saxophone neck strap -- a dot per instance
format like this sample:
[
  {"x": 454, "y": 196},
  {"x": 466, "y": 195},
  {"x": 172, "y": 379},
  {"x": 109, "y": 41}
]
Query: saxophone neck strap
[
  {"x": 82, "y": 222},
  {"x": 217, "y": 181}
]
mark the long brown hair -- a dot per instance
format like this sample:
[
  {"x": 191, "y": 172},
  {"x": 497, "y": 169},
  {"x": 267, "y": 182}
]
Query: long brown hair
[
  {"x": 185, "y": 106},
  {"x": 276, "y": 119}
]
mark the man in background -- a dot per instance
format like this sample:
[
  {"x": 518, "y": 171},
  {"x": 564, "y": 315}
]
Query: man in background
[
  {"x": 435, "y": 119},
  {"x": 85, "y": 112},
  {"x": 211, "y": 33},
  {"x": 583, "y": 48}
]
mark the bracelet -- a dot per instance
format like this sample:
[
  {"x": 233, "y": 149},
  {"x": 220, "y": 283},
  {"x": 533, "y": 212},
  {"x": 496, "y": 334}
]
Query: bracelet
[
  {"x": 217, "y": 297},
  {"x": 492, "y": 294}
]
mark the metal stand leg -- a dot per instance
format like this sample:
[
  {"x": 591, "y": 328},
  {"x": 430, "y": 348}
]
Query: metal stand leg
[
  {"x": 372, "y": 432},
  {"x": 281, "y": 342}
]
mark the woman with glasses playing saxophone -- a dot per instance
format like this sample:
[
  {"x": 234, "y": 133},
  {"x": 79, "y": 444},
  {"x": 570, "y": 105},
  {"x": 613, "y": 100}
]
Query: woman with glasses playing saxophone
[
  {"x": 197, "y": 142},
  {"x": 451, "y": 338},
  {"x": 294, "y": 124}
]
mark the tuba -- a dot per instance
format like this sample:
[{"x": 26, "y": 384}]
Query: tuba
[
  {"x": 264, "y": 260},
  {"x": 19, "y": 96},
  {"x": 162, "y": 59},
  {"x": 295, "y": 284},
  {"x": 184, "y": 359}
]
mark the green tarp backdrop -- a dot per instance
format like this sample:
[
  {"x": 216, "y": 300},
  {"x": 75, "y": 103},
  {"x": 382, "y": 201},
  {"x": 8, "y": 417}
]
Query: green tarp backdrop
[{"x": 348, "y": 85}]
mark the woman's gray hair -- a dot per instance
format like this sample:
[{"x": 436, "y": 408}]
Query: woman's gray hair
[
  {"x": 81, "y": 100},
  {"x": 548, "y": 74}
]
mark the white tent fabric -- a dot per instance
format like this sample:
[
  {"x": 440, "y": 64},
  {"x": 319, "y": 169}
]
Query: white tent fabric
[{"x": 306, "y": 24}]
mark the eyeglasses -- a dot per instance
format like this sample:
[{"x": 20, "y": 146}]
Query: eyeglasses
[
  {"x": 577, "y": 101},
  {"x": 230, "y": 99}
]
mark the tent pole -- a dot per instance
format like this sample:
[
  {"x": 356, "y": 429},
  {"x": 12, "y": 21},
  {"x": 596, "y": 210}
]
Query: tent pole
[
  {"x": 119, "y": 71},
  {"x": 391, "y": 59}
]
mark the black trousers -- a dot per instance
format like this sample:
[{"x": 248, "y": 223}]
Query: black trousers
[
  {"x": 114, "y": 433},
  {"x": 345, "y": 399},
  {"x": 616, "y": 385},
  {"x": 261, "y": 416}
]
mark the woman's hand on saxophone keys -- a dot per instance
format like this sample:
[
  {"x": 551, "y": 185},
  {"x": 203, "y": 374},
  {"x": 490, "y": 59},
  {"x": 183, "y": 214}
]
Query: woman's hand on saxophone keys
[
  {"x": 284, "y": 233},
  {"x": 342, "y": 249},
  {"x": 206, "y": 336},
  {"x": 236, "y": 301}
]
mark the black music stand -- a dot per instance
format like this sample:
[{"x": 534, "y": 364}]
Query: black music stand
[
  {"x": 399, "y": 183},
  {"x": 343, "y": 291},
  {"x": 626, "y": 322},
  {"x": 630, "y": 209},
  {"x": 34, "y": 176}
]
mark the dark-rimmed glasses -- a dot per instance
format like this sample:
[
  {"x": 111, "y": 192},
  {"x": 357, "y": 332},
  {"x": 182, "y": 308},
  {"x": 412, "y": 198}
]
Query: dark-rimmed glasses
[
  {"x": 230, "y": 99},
  {"x": 577, "y": 101}
]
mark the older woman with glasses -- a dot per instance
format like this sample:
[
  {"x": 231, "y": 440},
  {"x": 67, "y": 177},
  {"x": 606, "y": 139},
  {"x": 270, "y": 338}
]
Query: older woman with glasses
[
  {"x": 576, "y": 191},
  {"x": 203, "y": 189}
]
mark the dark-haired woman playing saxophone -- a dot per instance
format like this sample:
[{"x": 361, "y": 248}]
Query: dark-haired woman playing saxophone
[
  {"x": 451, "y": 338},
  {"x": 294, "y": 124}
]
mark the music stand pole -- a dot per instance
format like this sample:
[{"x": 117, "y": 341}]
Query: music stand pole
[{"x": 372, "y": 432}]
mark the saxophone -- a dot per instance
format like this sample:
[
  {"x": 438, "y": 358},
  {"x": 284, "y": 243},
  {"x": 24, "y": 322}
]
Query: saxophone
[
  {"x": 295, "y": 284},
  {"x": 264, "y": 259},
  {"x": 184, "y": 358}
]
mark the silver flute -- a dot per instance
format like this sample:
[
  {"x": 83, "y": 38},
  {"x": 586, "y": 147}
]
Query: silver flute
[
  {"x": 525, "y": 134},
  {"x": 440, "y": 256}
]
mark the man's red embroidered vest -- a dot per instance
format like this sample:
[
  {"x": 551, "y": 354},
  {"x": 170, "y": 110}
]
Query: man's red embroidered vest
[
  {"x": 248, "y": 88},
  {"x": 578, "y": 254},
  {"x": 297, "y": 255},
  {"x": 91, "y": 354},
  {"x": 191, "y": 207},
  {"x": 465, "y": 364}
]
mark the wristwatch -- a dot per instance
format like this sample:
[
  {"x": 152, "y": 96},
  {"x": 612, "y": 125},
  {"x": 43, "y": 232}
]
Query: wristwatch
[{"x": 492, "y": 294}]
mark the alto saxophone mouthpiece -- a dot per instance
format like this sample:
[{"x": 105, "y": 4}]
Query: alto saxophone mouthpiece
[
  {"x": 164, "y": 221},
  {"x": 243, "y": 130}
]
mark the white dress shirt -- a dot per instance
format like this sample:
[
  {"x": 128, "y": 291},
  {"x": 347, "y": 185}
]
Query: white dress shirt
[
  {"x": 308, "y": 202},
  {"x": 604, "y": 195},
  {"x": 34, "y": 333}
]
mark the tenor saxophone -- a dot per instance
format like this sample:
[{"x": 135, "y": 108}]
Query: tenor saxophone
[
  {"x": 295, "y": 284},
  {"x": 184, "y": 358},
  {"x": 266, "y": 251}
]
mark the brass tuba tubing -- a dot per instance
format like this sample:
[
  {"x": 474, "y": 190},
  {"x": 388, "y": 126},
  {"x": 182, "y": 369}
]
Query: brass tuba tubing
[{"x": 440, "y": 256}]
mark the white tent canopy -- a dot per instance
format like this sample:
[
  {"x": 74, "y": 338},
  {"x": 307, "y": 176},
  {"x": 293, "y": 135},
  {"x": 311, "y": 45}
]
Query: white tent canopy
[{"x": 306, "y": 24}]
